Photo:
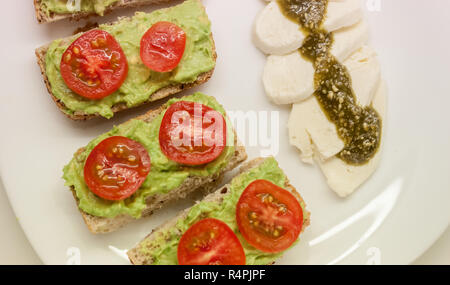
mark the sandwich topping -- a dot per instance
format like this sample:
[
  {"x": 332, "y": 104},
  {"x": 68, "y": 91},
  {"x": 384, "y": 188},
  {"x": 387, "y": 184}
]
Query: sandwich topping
[
  {"x": 210, "y": 242},
  {"x": 102, "y": 158},
  {"x": 192, "y": 133},
  {"x": 358, "y": 127},
  {"x": 269, "y": 217},
  {"x": 266, "y": 177},
  {"x": 142, "y": 82},
  {"x": 116, "y": 168},
  {"x": 94, "y": 65},
  {"x": 162, "y": 46},
  {"x": 72, "y": 6}
]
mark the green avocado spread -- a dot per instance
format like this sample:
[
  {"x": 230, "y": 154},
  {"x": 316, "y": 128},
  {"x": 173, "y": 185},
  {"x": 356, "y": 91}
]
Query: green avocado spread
[
  {"x": 71, "y": 6},
  {"x": 165, "y": 175},
  {"x": 163, "y": 249},
  {"x": 141, "y": 82}
]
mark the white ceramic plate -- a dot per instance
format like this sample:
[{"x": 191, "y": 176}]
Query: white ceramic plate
[{"x": 392, "y": 219}]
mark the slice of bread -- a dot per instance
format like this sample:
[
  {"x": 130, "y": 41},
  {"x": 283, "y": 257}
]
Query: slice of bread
[
  {"x": 160, "y": 94},
  {"x": 136, "y": 255},
  {"x": 42, "y": 16},
  {"x": 192, "y": 184}
]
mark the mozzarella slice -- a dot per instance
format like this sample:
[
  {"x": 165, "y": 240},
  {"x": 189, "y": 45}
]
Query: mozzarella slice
[
  {"x": 289, "y": 78},
  {"x": 308, "y": 118},
  {"x": 274, "y": 33},
  {"x": 349, "y": 39},
  {"x": 365, "y": 71},
  {"x": 343, "y": 178},
  {"x": 309, "y": 127},
  {"x": 341, "y": 14}
]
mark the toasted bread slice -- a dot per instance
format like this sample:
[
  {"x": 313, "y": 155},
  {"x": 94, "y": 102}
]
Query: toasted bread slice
[
  {"x": 192, "y": 184},
  {"x": 137, "y": 255},
  {"x": 159, "y": 94},
  {"x": 42, "y": 16}
]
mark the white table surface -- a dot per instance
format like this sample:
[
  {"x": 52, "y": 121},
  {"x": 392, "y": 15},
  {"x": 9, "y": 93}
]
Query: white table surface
[{"x": 15, "y": 248}]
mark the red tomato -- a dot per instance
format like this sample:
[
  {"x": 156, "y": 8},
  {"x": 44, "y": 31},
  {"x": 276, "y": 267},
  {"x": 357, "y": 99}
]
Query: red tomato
[
  {"x": 269, "y": 217},
  {"x": 94, "y": 65},
  {"x": 162, "y": 46},
  {"x": 116, "y": 168},
  {"x": 210, "y": 242},
  {"x": 192, "y": 133}
]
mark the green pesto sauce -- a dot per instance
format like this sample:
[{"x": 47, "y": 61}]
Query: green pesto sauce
[
  {"x": 358, "y": 127},
  {"x": 163, "y": 249},
  {"x": 165, "y": 175},
  {"x": 141, "y": 82},
  {"x": 71, "y": 6}
]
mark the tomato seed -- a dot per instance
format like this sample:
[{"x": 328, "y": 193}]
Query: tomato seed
[
  {"x": 94, "y": 43},
  {"x": 68, "y": 57},
  {"x": 101, "y": 42}
]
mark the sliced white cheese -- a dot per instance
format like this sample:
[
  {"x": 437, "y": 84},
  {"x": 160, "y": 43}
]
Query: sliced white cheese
[
  {"x": 289, "y": 78},
  {"x": 299, "y": 137},
  {"x": 365, "y": 72},
  {"x": 349, "y": 39},
  {"x": 274, "y": 33},
  {"x": 343, "y": 178},
  {"x": 341, "y": 14},
  {"x": 307, "y": 116}
]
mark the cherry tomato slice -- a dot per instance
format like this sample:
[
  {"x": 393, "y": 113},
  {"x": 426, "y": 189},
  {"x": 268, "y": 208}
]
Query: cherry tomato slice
[
  {"x": 94, "y": 65},
  {"x": 210, "y": 242},
  {"x": 269, "y": 217},
  {"x": 162, "y": 46},
  {"x": 192, "y": 133},
  {"x": 116, "y": 168}
]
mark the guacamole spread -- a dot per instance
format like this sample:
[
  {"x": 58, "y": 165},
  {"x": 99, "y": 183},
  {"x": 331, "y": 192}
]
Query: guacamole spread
[
  {"x": 165, "y": 175},
  {"x": 72, "y": 6},
  {"x": 163, "y": 249},
  {"x": 141, "y": 82}
]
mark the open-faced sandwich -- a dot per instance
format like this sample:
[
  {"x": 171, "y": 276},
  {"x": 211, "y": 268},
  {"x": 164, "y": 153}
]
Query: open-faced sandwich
[
  {"x": 136, "y": 168},
  {"x": 131, "y": 62},
  {"x": 252, "y": 220},
  {"x": 319, "y": 61},
  {"x": 54, "y": 10}
]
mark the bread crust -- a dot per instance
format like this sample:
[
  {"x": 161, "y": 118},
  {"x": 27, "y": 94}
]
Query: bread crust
[
  {"x": 160, "y": 94},
  {"x": 42, "y": 17},
  {"x": 100, "y": 225},
  {"x": 138, "y": 258}
]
